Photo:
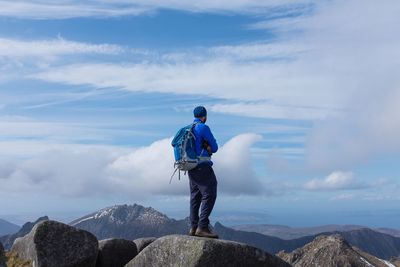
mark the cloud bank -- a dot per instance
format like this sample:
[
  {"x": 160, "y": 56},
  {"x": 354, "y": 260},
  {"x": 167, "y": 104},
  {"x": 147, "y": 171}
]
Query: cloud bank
[{"x": 96, "y": 171}]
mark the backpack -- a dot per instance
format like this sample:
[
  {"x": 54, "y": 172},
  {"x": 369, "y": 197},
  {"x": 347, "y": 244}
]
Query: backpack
[{"x": 185, "y": 154}]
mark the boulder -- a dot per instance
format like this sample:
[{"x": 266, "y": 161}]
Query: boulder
[
  {"x": 189, "y": 251},
  {"x": 54, "y": 244},
  {"x": 115, "y": 252},
  {"x": 142, "y": 243}
]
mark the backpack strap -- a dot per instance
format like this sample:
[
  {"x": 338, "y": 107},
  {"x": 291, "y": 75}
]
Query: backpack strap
[{"x": 176, "y": 169}]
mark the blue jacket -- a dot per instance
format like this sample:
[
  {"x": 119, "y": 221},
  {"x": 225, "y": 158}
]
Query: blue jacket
[{"x": 202, "y": 132}]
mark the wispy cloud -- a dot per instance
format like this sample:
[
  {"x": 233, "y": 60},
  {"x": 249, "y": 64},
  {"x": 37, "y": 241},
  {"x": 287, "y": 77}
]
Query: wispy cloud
[
  {"x": 268, "y": 110},
  {"x": 17, "y": 134},
  {"x": 218, "y": 78},
  {"x": 105, "y": 8},
  {"x": 67, "y": 9},
  {"x": 13, "y": 48}
]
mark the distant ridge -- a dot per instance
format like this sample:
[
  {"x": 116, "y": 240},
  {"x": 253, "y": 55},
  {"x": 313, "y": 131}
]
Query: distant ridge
[
  {"x": 286, "y": 232},
  {"x": 7, "y": 228},
  {"x": 8, "y": 240},
  {"x": 378, "y": 244}
]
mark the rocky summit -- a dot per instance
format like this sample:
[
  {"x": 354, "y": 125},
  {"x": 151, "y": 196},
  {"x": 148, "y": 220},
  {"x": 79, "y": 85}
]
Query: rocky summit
[
  {"x": 130, "y": 222},
  {"x": 188, "y": 251},
  {"x": 54, "y": 244},
  {"x": 331, "y": 251}
]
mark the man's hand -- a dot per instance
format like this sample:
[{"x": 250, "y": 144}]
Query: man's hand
[{"x": 207, "y": 146}]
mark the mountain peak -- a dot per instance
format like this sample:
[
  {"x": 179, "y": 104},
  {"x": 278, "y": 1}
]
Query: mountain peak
[
  {"x": 121, "y": 214},
  {"x": 331, "y": 250},
  {"x": 133, "y": 221}
]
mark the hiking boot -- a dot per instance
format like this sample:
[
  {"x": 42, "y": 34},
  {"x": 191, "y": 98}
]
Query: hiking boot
[
  {"x": 192, "y": 231},
  {"x": 205, "y": 233}
]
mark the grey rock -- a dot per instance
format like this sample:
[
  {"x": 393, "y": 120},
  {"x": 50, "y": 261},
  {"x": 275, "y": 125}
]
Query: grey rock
[
  {"x": 330, "y": 251},
  {"x": 142, "y": 243},
  {"x": 115, "y": 252},
  {"x": 188, "y": 251},
  {"x": 54, "y": 244}
]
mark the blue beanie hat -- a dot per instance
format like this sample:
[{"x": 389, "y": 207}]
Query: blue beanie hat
[{"x": 199, "y": 112}]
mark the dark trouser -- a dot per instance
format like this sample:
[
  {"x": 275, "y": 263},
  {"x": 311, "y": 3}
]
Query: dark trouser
[{"x": 203, "y": 191}]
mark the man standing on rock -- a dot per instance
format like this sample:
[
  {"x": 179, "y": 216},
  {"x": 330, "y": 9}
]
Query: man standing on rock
[{"x": 203, "y": 183}]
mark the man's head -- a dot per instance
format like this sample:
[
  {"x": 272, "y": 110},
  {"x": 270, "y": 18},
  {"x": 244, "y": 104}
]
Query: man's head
[{"x": 200, "y": 112}]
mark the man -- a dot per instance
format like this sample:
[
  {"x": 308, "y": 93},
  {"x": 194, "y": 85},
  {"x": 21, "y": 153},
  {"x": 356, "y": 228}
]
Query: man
[{"x": 203, "y": 183}]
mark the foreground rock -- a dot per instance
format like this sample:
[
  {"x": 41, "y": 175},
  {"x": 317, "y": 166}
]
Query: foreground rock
[
  {"x": 2, "y": 256},
  {"x": 115, "y": 252},
  {"x": 54, "y": 244},
  {"x": 330, "y": 251},
  {"x": 187, "y": 251},
  {"x": 142, "y": 243}
]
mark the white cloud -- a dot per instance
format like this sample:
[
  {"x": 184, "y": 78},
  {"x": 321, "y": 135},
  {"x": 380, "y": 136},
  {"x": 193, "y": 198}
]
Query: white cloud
[
  {"x": 105, "y": 8},
  {"x": 267, "y": 110},
  {"x": 342, "y": 60},
  {"x": 95, "y": 170},
  {"x": 371, "y": 131},
  {"x": 65, "y": 9},
  {"x": 335, "y": 181},
  {"x": 259, "y": 51},
  {"x": 234, "y": 167},
  {"x": 14, "y": 130},
  {"x": 219, "y": 78},
  {"x": 12, "y": 48}
]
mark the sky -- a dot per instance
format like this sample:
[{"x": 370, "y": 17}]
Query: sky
[{"x": 302, "y": 95}]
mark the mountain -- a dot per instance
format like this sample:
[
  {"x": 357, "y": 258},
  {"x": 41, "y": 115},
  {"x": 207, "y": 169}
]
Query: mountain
[
  {"x": 135, "y": 221},
  {"x": 8, "y": 240},
  {"x": 270, "y": 244},
  {"x": 7, "y": 228},
  {"x": 331, "y": 251},
  {"x": 389, "y": 231},
  {"x": 378, "y": 244},
  {"x": 130, "y": 222},
  {"x": 286, "y": 232}
]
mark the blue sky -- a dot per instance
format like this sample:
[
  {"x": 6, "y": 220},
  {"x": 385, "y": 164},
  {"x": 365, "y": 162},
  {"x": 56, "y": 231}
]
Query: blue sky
[{"x": 302, "y": 96}]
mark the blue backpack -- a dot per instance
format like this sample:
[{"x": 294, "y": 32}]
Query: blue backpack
[{"x": 185, "y": 154}]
